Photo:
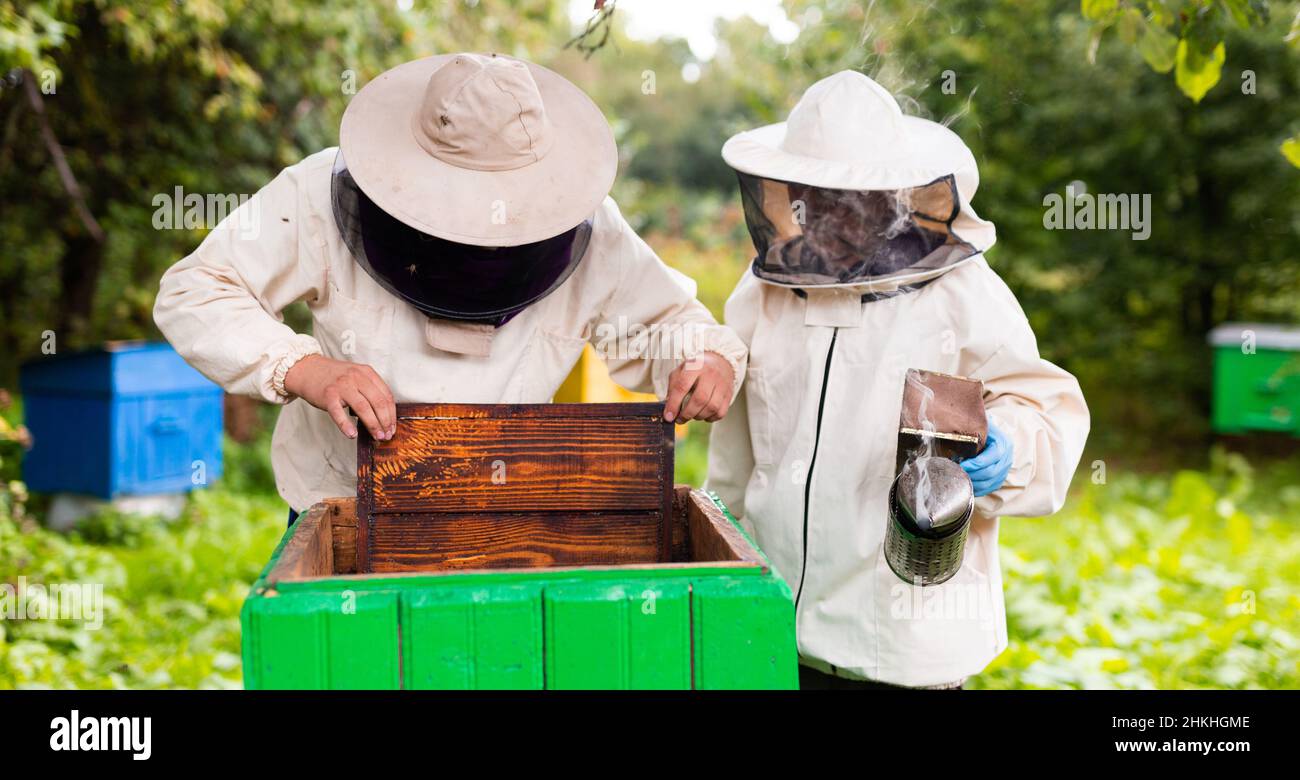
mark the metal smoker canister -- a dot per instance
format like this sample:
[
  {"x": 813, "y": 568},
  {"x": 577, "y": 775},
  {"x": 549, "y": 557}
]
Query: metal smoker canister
[{"x": 925, "y": 548}]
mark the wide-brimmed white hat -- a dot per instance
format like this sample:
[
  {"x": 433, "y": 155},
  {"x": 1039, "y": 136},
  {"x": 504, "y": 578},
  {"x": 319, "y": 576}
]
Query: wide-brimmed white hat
[
  {"x": 847, "y": 132},
  {"x": 479, "y": 149}
]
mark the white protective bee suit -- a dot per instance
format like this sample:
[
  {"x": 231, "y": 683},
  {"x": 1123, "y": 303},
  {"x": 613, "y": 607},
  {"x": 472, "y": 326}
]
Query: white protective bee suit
[
  {"x": 807, "y": 455},
  {"x": 456, "y": 165}
]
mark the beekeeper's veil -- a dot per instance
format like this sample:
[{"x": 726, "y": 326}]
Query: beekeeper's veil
[
  {"x": 446, "y": 279},
  {"x": 850, "y": 191},
  {"x": 466, "y": 183}
]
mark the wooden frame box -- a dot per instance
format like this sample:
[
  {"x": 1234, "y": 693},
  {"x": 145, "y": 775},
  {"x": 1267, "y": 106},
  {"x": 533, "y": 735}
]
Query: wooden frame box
[
  {"x": 638, "y": 584},
  {"x": 491, "y": 486}
]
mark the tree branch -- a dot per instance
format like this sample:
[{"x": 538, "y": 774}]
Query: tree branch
[
  {"x": 596, "y": 33},
  {"x": 60, "y": 160}
]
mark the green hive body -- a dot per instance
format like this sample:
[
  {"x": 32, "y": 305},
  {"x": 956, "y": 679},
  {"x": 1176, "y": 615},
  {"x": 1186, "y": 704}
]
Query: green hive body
[
  {"x": 653, "y": 626},
  {"x": 1257, "y": 389}
]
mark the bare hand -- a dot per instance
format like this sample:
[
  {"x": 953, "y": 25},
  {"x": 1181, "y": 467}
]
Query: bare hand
[
  {"x": 336, "y": 386},
  {"x": 708, "y": 379}
]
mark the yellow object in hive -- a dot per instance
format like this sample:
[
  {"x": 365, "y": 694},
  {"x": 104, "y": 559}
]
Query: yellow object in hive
[{"x": 589, "y": 383}]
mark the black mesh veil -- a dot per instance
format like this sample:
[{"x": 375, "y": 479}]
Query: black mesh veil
[
  {"x": 816, "y": 236},
  {"x": 446, "y": 279}
]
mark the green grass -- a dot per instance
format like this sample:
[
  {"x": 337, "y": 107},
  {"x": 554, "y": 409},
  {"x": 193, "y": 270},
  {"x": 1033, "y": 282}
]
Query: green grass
[
  {"x": 1153, "y": 581},
  {"x": 172, "y": 591}
]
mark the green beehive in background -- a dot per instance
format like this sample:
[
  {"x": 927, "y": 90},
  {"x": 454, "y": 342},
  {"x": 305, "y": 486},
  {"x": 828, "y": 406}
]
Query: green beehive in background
[
  {"x": 1256, "y": 378},
  {"x": 521, "y": 547}
]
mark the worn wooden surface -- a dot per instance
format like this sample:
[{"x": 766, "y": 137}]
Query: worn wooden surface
[
  {"x": 418, "y": 542},
  {"x": 711, "y": 536},
  {"x": 343, "y": 525},
  {"x": 516, "y": 485},
  {"x": 681, "y": 529},
  {"x": 702, "y": 536},
  {"x": 309, "y": 551}
]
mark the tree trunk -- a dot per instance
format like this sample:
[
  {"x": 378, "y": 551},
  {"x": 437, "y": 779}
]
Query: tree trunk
[{"x": 79, "y": 269}]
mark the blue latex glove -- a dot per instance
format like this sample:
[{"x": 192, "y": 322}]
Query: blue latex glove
[{"x": 988, "y": 470}]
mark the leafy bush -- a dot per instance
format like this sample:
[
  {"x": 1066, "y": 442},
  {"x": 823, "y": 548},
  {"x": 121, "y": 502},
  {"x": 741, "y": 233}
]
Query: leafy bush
[
  {"x": 172, "y": 594},
  {"x": 1187, "y": 581}
]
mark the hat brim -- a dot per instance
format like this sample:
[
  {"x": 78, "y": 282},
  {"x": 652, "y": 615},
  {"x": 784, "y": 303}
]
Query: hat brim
[
  {"x": 486, "y": 208},
  {"x": 934, "y": 151}
]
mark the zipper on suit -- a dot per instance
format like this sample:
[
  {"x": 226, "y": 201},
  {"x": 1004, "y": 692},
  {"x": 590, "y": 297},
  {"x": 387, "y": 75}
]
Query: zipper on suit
[{"x": 812, "y": 462}]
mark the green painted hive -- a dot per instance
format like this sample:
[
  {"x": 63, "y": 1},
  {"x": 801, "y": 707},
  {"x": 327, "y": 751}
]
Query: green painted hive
[
  {"x": 461, "y": 590},
  {"x": 1256, "y": 379}
]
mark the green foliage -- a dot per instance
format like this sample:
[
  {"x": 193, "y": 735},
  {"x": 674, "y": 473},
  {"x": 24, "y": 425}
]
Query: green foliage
[
  {"x": 149, "y": 95},
  {"x": 1194, "y": 29},
  {"x": 1158, "y": 46},
  {"x": 246, "y": 468},
  {"x": 1291, "y": 150},
  {"x": 1196, "y": 71},
  {"x": 28, "y": 32},
  {"x": 1187, "y": 581},
  {"x": 172, "y": 594},
  {"x": 1097, "y": 10},
  {"x": 1186, "y": 36},
  {"x": 217, "y": 96},
  {"x": 691, "y": 459},
  {"x": 1147, "y": 581}
]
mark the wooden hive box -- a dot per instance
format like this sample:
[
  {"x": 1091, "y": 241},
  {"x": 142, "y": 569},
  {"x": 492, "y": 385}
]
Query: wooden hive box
[{"x": 537, "y": 546}]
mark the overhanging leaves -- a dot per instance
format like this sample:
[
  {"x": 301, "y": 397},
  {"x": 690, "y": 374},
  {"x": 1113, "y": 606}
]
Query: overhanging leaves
[
  {"x": 1195, "y": 72},
  {"x": 1158, "y": 47}
]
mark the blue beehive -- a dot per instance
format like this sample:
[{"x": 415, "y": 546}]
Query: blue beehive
[{"x": 131, "y": 418}]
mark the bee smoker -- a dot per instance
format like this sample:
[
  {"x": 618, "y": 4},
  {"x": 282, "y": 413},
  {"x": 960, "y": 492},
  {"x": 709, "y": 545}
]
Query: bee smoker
[
  {"x": 932, "y": 500},
  {"x": 930, "y": 508}
]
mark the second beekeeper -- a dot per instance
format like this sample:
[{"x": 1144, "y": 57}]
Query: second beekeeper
[{"x": 869, "y": 262}]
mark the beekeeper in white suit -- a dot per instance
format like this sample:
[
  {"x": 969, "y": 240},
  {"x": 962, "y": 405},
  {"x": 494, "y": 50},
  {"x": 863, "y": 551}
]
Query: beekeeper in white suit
[
  {"x": 870, "y": 262},
  {"x": 461, "y": 246}
]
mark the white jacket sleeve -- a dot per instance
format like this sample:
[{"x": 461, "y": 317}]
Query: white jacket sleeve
[
  {"x": 1037, "y": 404},
  {"x": 652, "y": 322},
  {"x": 221, "y": 306}
]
